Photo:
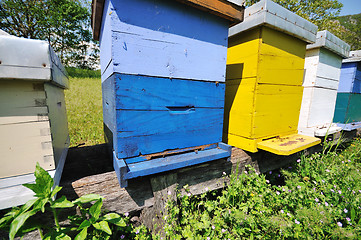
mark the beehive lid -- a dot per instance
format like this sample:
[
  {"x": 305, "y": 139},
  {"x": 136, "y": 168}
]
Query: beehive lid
[
  {"x": 331, "y": 42},
  {"x": 3, "y": 32},
  {"x": 288, "y": 145},
  {"x": 232, "y": 10},
  {"x": 274, "y": 16},
  {"x": 355, "y": 56},
  {"x": 29, "y": 59}
]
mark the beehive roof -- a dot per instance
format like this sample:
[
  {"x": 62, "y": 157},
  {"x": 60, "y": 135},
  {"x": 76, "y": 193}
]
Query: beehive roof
[
  {"x": 331, "y": 42},
  {"x": 29, "y": 59},
  {"x": 355, "y": 56}
]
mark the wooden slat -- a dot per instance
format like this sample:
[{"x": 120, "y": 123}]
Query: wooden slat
[
  {"x": 58, "y": 120},
  {"x": 288, "y": 145},
  {"x": 221, "y": 8}
]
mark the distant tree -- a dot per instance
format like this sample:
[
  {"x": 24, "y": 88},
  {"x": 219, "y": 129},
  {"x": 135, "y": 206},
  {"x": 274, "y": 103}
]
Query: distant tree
[
  {"x": 319, "y": 12},
  {"x": 63, "y": 23},
  {"x": 349, "y": 29}
]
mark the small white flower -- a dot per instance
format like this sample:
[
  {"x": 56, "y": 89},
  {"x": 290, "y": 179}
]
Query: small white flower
[
  {"x": 339, "y": 224},
  {"x": 345, "y": 210},
  {"x": 282, "y": 211},
  {"x": 169, "y": 192},
  {"x": 327, "y": 170},
  {"x": 298, "y": 160},
  {"x": 126, "y": 214},
  {"x": 326, "y": 204},
  {"x": 267, "y": 181},
  {"x": 316, "y": 199},
  {"x": 206, "y": 189},
  {"x": 278, "y": 193},
  {"x": 297, "y": 222},
  {"x": 189, "y": 194},
  {"x": 224, "y": 173}
]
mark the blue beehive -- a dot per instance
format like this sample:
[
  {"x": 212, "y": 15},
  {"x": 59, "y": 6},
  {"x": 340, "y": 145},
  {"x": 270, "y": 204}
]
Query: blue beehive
[
  {"x": 163, "y": 72},
  {"x": 348, "y": 103}
]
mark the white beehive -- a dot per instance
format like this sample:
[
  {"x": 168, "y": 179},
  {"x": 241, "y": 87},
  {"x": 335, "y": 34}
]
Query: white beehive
[
  {"x": 322, "y": 74},
  {"x": 33, "y": 122}
]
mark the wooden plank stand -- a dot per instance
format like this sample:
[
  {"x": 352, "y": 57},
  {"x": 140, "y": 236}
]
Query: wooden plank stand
[{"x": 127, "y": 171}]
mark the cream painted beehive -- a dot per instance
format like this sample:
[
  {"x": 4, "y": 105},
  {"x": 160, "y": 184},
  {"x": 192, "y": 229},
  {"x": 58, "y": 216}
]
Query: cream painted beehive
[
  {"x": 33, "y": 122},
  {"x": 323, "y": 67}
]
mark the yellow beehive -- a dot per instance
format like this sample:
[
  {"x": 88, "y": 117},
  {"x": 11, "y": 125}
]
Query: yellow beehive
[{"x": 265, "y": 68}]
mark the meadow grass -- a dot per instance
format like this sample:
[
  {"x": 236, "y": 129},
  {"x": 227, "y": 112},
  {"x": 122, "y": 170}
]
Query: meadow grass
[{"x": 84, "y": 110}]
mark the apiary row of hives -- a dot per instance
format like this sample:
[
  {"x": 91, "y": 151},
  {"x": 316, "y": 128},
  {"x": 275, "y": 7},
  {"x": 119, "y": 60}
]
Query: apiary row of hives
[{"x": 182, "y": 82}]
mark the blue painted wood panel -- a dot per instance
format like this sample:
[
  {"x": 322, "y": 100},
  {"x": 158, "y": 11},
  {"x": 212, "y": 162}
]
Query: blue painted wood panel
[
  {"x": 348, "y": 72},
  {"x": 153, "y": 93},
  {"x": 163, "y": 114},
  {"x": 165, "y": 39},
  {"x": 126, "y": 171}
]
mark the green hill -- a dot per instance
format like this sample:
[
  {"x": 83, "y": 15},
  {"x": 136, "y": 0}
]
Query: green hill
[{"x": 352, "y": 30}]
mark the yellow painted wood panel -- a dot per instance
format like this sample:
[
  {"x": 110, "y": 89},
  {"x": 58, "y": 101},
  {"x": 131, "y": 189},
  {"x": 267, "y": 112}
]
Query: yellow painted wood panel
[
  {"x": 289, "y": 144},
  {"x": 282, "y": 58},
  {"x": 242, "y": 142},
  {"x": 239, "y": 106},
  {"x": 277, "y": 109},
  {"x": 242, "y": 55}
]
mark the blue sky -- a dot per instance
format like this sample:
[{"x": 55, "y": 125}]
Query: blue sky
[{"x": 350, "y": 7}]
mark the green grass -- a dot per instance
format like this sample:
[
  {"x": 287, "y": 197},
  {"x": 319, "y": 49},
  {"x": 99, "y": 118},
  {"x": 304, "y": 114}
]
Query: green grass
[{"x": 84, "y": 110}]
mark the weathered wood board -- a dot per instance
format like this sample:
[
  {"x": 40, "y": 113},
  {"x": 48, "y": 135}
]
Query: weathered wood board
[
  {"x": 231, "y": 10},
  {"x": 167, "y": 41},
  {"x": 265, "y": 69},
  {"x": 148, "y": 115}
]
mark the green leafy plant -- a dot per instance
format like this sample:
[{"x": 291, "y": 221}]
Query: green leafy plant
[
  {"x": 317, "y": 197},
  {"x": 91, "y": 223}
]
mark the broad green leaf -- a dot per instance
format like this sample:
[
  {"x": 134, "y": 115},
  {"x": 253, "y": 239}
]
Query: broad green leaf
[
  {"x": 18, "y": 222},
  {"x": 103, "y": 226},
  {"x": 82, "y": 235},
  {"x": 5, "y": 221},
  {"x": 29, "y": 204},
  {"x": 87, "y": 198},
  {"x": 96, "y": 209},
  {"x": 84, "y": 224},
  {"x": 40, "y": 204},
  {"x": 353, "y": 214},
  {"x": 35, "y": 188},
  {"x": 55, "y": 191},
  {"x": 115, "y": 219},
  {"x": 62, "y": 203},
  {"x": 43, "y": 180},
  {"x": 57, "y": 235}
]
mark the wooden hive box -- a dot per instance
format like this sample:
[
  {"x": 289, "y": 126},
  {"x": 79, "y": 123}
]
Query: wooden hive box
[
  {"x": 348, "y": 103},
  {"x": 323, "y": 68},
  {"x": 33, "y": 122},
  {"x": 265, "y": 68},
  {"x": 163, "y": 72}
]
